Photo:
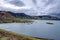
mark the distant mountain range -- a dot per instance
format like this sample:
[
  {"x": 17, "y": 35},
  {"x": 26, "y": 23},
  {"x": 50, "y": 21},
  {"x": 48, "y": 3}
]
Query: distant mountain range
[
  {"x": 56, "y": 14},
  {"x": 8, "y": 14}
]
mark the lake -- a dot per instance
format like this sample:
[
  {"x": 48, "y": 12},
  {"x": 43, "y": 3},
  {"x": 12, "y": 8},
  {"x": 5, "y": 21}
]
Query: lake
[{"x": 38, "y": 28}]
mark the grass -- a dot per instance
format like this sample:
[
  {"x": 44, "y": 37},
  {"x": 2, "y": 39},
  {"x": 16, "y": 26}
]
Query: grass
[
  {"x": 14, "y": 20},
  {"x": 14, "y": 36},
  {"x": 3, "y": 38}
]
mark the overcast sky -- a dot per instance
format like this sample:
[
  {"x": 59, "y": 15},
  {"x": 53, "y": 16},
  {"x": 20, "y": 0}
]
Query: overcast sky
[{"x": 32, "y": 7}]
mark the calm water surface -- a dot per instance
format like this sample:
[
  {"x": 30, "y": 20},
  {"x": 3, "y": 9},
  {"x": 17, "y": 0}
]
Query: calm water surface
[{"x": 38, "y": 28}]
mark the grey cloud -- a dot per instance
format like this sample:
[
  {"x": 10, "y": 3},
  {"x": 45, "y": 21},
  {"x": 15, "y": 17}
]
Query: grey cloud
[
  {"x": 51, "y": 7},
  {"x": 49, "y": 2},
  {"x": 34, "y": 1},
  {"x": 17, "y": 3}
]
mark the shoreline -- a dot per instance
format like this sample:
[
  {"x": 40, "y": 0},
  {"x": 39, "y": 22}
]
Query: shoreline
[{"x": 10, "y": 34}]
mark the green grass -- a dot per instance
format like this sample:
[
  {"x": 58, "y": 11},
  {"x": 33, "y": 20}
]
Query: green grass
[{"x": 14, "y": 20}]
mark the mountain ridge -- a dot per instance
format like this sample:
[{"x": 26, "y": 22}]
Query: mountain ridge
[{"x": 8, "y": 14}]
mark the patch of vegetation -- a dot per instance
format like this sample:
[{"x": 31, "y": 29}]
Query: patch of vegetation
[
  {"x": 14, "y": 20},
  {"x": 7, "y": 35}
]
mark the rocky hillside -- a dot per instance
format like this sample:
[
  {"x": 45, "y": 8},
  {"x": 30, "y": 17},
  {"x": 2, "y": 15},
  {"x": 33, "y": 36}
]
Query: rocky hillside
[{"x": 5, "y": 14}]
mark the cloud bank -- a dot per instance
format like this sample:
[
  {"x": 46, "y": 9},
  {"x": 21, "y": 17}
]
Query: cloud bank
[{"x": 32, "y": 7}]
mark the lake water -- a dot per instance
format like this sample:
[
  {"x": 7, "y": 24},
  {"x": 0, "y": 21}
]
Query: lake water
[{"x": 38, "y": 28}]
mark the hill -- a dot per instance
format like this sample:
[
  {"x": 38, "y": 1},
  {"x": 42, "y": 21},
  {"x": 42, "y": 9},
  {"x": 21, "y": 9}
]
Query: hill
[
  {"x": 8, "y": 14},
  {"x": 4, "y": 14}
]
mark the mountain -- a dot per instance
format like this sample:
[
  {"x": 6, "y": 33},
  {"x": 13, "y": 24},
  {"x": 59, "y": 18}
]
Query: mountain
[
  {"x": 8, "y": 14},
  {"x": 49, "y": 17},
  {"x": 20, "y": 15},
  {"x": 45, "y": 16},
  {"x": 55, "y": 14},
  {"x": 5, "y": 14}
]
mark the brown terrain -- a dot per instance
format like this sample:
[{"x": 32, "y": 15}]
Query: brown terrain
[
  {"x": 7, "y": 35},
  {"x": 4, "y": 14}
]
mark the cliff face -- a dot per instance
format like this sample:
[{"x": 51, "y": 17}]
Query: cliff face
[{"x": 4, "y": 14}]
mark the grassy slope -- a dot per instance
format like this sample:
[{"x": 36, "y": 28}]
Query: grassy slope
[{"x": 20, "y": 35}]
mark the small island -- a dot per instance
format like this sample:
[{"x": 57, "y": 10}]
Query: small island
[{"x": 49, "y": 23}]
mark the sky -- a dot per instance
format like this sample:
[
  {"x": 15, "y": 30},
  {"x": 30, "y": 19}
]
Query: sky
[{"x": 32, "y": 7}]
